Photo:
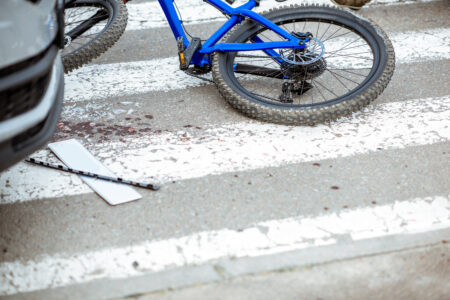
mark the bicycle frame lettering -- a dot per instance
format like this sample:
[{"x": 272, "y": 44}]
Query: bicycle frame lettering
[{"x": 237, "y": 15}]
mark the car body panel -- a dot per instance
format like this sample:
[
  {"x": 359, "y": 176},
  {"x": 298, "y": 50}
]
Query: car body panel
[
  {"x": 10, "y": 153},
  {"x": 31, "y": 76},
  {"x": 32, "y": 117},
  {"x": 26, "y": 29}
]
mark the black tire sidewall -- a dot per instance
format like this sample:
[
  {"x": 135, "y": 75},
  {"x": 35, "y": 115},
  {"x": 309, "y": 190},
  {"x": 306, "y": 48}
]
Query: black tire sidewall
[
  {"x": 103, "y": 41},
  {"x": 113, "y": 10}
]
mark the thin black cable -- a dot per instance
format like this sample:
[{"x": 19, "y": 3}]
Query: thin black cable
[{"x": 181, "y": 21}]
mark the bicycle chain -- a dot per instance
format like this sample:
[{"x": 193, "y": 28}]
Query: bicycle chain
[{"x": 189, "y": 72}]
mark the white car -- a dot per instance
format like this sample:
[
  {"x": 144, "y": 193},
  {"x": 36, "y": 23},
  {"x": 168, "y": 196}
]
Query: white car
[{"x": 31, "y": 75}]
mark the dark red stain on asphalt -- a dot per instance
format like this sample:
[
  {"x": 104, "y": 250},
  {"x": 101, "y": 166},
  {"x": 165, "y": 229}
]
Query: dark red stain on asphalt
[
  {"x": 145, "y": 130},
  {"x": 101, "y": 131}
]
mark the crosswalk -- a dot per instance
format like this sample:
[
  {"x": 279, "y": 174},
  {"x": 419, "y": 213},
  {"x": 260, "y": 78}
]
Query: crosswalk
[
  {"x": 219, "y": 147},
  {"x": 222, "y": 149}
]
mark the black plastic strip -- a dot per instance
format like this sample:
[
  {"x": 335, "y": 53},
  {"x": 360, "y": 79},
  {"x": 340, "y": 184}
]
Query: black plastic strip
[
  {"x": 93, "y": 175},
  {"x": 33, "y": 71}
]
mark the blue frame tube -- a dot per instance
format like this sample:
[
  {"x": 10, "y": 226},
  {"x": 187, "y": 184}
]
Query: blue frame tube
[
  {"x": 173, "y": 19},
  {"x": 229, "y": 47},
  {"x": 237, "y": 15},
  {"x": 269, "y": 52},
  {"x": 220, "y": 33}
]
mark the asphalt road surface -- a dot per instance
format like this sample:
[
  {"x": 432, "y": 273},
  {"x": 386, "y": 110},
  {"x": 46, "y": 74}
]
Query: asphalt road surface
[{"x": 359, "y": 208}]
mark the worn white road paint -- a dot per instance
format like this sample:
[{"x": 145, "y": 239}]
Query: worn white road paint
[
  {"x": 269, "y": 237},
  {"x": 242, "y": 146},
  {"x": 121, "y": 79},
  {"x": 150, "y": 15}
]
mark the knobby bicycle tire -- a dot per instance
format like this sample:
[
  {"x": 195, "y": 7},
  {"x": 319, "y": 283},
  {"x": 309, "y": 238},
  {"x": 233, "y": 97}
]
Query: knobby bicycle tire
[
  {"x": 255, "y": 106},
  {"x": 105, "y": 39}
]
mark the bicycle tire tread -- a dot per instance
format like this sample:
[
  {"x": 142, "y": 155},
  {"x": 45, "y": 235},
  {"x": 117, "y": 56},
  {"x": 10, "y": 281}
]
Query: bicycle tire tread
[
  {"x": 312, "y": 115},
  {"x": 99, "y": 45}
]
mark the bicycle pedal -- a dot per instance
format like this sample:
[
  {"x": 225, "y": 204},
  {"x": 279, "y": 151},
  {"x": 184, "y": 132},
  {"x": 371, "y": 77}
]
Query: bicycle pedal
[{"x": 186, "y": 54}]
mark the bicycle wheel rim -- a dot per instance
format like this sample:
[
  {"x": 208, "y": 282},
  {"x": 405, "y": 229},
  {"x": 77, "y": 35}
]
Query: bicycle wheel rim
[{"x": 364, "y": 34}]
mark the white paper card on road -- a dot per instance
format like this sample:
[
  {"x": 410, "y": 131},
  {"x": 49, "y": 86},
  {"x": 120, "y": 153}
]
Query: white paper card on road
[{"x": 74, "y": 155}]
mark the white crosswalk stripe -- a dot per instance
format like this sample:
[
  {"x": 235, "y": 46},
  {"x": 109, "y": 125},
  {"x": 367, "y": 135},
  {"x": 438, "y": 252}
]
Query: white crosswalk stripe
[
  {"x": 106, "y": 81},
  {"x": 269, "y": 237},
  {"x": 149, "y": 15},
  {"x": 226, "y": 148}
]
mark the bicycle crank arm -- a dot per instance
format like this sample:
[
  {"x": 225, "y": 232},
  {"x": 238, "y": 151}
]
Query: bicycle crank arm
[
  {"x": 259, "y": 71},
  {"x": 88, "y": 24}
]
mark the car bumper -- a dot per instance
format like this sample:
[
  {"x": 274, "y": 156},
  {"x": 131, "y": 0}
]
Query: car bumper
[{"x": 25, "y": 132}]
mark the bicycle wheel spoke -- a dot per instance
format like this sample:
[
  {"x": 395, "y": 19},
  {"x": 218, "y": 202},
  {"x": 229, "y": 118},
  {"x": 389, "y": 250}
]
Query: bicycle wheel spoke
[
  {"x": 358, "y": 53},
  {"x": 323, "y": 34},
  {"x": 347, "y": 45},
  {"x": 339, "y": 81},
  {"x": 324, "y": 88},
  {"x": 317, "y": 31},
  {"x": 314, "y": 84},
  {"x": 358, "y": 57},
  {"x": 332, "y": 38},
  {"x": 335, "y": 51},
  {"x": 346, "y": 70},
  {"x": 344, "y": 77},
  {"x": 266, "y": 37},
  {"x": 270, "y": 74},
  {"x": 329, "y": 37},
  {"x": 282, "y": 26},
  {"x": 81, "y": 21}
]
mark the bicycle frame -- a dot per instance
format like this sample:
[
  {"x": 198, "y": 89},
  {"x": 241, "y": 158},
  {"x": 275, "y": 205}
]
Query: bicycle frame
[{"x": 237, "y": 15}]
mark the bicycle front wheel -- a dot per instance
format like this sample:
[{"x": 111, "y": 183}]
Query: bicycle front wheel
[
  {"x": 347, "y": 62},
  {"x": 91, "y": 28}
]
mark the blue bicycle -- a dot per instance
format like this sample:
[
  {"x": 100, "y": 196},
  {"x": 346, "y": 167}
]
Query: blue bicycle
[{"x": 292, "y": 65}]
